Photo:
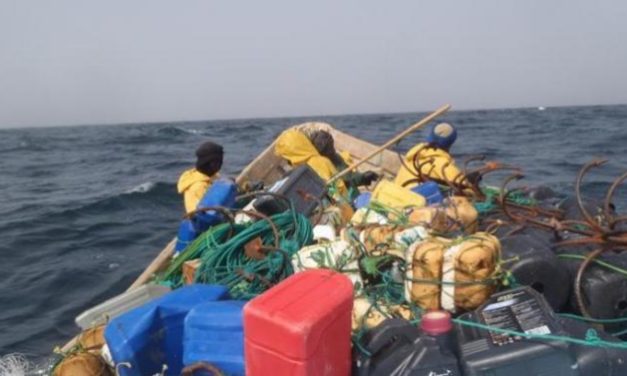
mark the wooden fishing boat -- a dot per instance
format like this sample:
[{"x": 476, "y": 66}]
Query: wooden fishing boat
[{"x": 268, "y": 168}]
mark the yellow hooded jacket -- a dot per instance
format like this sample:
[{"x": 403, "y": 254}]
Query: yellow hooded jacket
[
  {"x": 295, "y": 146},
  {"x": 192, "y": 185},
  {"x": 346, "y": 156},
  {"x": 440, "y": 157}
]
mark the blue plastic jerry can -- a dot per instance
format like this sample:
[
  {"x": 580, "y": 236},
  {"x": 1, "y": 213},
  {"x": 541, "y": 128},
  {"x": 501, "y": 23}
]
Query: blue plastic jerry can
[
  {"x": 151, "y": 336},
  {"x": 214, "y": 333},
  {"x": 362, "y": 200},
  {"x": 221, "y": 193},
  {"x": 431, "y": 191},
  {"x": 186, "y": 235}
]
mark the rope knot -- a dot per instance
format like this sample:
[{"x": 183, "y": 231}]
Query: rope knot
[{"x": 592, "y": 336}]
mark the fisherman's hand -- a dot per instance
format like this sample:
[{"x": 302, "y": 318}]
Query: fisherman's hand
[
  {"x": 251, "y": 186},
  {"x": 256, "y": 186},
  {"x": 369, "y": 177},
  {"x": 474, "y": 178}
]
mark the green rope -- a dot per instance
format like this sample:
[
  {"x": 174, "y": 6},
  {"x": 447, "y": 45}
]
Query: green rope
[
  {"x": 356, "y": 339},
  {"x": 226, "y": 264},
  {"x": 398, "y": 217},
  {"x": 333, "y": 191},
  {"x": 487, "y": 281},
  {"x": 492, "y": 196},
  {"x": 593, "y": 320},
  {"x": 599, "y": 262},
  {"x": 621, "y": 333},
  {"x": 592, "y": 339},
  {"x": 173, "y": 275}
]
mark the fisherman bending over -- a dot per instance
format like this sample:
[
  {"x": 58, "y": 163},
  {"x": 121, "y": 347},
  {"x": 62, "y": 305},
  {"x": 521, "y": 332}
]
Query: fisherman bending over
[
  {"x": 324, "y": 143},
  {"x": 433, "y": 159},
  {"x": 294, "y": 146},
  {"x": 194, "y": 182}
]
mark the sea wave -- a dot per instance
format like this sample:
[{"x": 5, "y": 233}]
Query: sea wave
[
  {"x": 154, "y": 194},
  {"x": 142, "y": 188},
  {"x": 176, "y": 131},
  {"x": 147, "y": 192},
  {"x": 14, "y": 365}
]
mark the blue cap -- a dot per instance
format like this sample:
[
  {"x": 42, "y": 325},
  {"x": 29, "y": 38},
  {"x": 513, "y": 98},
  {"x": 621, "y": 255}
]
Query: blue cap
[{"x": 442, "y": 135}]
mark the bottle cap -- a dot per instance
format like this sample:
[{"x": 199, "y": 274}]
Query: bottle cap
[{"x": 434, "y": 323}]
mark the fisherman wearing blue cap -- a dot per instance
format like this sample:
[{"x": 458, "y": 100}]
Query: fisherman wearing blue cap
[{"x": 432, "y": 157}]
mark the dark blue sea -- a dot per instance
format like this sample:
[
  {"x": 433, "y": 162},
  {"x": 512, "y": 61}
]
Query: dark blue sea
[{"x": 83, "y": 209}]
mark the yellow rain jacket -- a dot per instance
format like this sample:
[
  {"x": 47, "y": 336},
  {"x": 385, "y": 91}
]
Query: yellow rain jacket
[
  {"x": 346, "y": 156},
  {"x": 295, "y": 147},
  {"x": 440, "y": 157},
  {"x": 192, "y": 185}
]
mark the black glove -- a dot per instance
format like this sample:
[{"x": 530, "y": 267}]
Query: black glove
[
  {"x": 257, "y": 186},
  {"x": 474, "y": 177},
  {"x": 251, "y": 186},
  {"x": 368, "y": 177}
]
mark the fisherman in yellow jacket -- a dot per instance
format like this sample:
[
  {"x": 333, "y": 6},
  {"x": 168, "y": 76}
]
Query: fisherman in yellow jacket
[
  {"x": 194, "y": 182},
  {"x": 324, "y": 143},
  {"x": 294, "y": 146},
  {"x": 432, "y": 157}
]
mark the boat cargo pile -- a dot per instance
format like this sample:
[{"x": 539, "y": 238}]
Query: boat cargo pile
[{"x": 439, "y": 277}]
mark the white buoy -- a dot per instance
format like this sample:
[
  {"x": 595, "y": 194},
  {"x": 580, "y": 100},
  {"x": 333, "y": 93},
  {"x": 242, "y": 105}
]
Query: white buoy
[{"x": 541, "y": 108}]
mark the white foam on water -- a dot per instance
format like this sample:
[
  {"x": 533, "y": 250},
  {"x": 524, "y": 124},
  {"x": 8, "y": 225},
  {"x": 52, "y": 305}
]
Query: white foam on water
[
  {"x": 142, "y": 188},
  {"x": 189, "y": 130},
  {"x": 14, "y": 365}
]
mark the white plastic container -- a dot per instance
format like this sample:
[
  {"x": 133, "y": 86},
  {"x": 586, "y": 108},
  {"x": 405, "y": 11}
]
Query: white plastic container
[
  {"x": 120, "y": 304},
  {"x": 411, "y": 235},
  {"x": 323, "y": 233},
  {"x": 339, "y": 256},
  {"x": 365, "y": 216},
  {"x": 242, "y": 218}
]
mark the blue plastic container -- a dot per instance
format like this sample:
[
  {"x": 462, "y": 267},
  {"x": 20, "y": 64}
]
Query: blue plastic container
[
  {"x": 214, "y": 333},
  {"x": 221, "y": 193},
  {"x": 152, "y": 335},
  {"x": 431, "y": 191},
  {"x": 187, "y": 233},
  {"x": 362, "y": 200}
]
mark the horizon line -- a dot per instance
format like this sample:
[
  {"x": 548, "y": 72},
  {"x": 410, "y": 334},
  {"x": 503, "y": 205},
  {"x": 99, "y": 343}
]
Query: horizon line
[{"x": 295, "y": 116}]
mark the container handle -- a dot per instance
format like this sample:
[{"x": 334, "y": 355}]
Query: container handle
[{"x": 201, "y": 366}]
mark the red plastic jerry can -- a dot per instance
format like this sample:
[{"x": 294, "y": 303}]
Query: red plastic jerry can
[{"x": 302, "y": 326}]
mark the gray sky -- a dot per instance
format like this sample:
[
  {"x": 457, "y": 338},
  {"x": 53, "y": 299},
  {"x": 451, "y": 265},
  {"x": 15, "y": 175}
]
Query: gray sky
[{"x": 86, "y": 62}]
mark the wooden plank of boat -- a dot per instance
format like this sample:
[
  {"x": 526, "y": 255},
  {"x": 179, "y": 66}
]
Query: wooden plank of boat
[{"x": 268, "y": 167}]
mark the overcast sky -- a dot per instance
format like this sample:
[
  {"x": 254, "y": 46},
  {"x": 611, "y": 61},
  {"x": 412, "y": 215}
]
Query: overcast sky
[{"x": 92, "y": 62}]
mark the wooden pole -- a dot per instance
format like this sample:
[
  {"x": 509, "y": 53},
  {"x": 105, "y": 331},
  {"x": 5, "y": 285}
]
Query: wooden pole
[{"x": 394, "y": 140}]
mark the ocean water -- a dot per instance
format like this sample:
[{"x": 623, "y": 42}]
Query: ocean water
[{"x": 84, "y": 209}]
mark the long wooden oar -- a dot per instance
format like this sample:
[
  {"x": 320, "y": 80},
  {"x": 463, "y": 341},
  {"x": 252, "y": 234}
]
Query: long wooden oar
[{"x": 394, "y": 140}]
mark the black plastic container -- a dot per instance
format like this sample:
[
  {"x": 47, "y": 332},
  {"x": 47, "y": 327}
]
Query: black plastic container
[
  {"x": 604, "y": 290},
  {"x": 535, "y": 264},
  {"x": 302, "y": 186},
  {"x": 398, "y": 348},
  {"x": 570, "y": 208},
  {"x": 595, "y": 361},
  {"x": 484, "y": 353}
]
